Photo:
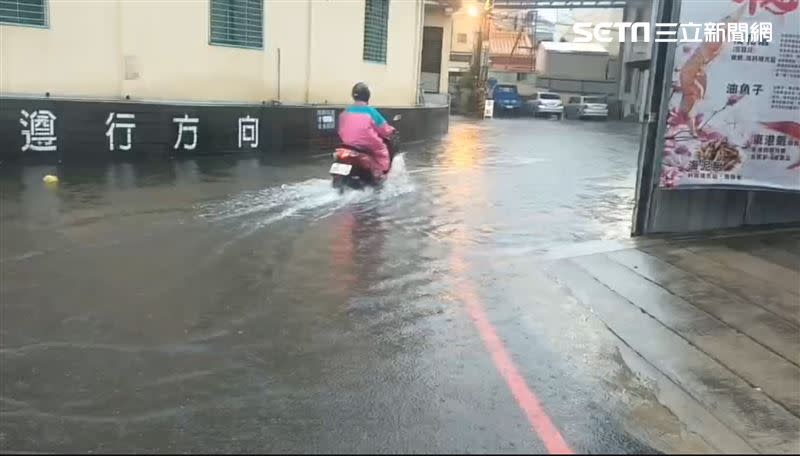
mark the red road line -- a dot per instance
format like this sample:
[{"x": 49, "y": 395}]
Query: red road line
[{"x": 526, "y": 399}]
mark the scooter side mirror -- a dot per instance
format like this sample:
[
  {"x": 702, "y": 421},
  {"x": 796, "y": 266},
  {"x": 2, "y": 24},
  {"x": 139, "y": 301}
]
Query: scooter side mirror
[{"x": 397, "y": 117}]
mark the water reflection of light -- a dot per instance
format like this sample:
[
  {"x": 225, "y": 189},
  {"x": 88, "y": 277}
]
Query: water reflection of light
[
  {"x": 468, "y": 197},
  {"x": 465, "y": 196},
  {"x": 343, "y": 253},
  {"x": 463, "y": 147}
]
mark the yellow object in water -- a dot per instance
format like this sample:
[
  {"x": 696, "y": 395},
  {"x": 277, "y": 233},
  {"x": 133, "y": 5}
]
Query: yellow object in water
[{"x": 50, "y": 179}]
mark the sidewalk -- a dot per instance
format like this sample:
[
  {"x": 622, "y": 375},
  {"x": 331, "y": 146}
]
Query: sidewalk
[{"x": 713, "y": 325}]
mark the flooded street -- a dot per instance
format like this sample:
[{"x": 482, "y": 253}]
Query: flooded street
[{"x": 242, "y": 305}]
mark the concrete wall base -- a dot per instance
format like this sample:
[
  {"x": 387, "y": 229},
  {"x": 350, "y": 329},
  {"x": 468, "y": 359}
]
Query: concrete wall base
[{"x": 80, "y": 131}]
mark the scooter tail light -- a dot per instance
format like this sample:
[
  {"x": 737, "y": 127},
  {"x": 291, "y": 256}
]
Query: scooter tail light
[{"x": 341, "y": 153}]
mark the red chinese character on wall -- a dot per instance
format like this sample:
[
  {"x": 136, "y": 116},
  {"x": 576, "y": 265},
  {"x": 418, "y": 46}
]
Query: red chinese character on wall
[{"x": 778, "y": 7}]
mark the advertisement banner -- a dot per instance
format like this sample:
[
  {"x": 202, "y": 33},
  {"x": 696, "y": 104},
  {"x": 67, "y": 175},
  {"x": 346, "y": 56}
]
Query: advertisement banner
[{"x": 734, "y": 109}]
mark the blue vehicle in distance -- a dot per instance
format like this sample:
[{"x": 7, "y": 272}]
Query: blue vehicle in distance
[{"x": 507, "y": 99}]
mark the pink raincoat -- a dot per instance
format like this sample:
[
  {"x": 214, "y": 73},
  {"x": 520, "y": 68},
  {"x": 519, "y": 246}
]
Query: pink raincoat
[{"x": 363, "y": 127}]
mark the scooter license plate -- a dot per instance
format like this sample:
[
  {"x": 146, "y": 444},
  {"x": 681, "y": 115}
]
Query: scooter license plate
[{"x": 342, "y": 169}]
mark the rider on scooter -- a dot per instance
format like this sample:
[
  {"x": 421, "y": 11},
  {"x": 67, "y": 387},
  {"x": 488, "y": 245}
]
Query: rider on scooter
[{"x": 362, "y": 127}]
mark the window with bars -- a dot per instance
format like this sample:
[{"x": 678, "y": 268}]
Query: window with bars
[
  {"x": 237, "y": 23},
  {"x": 24, "y": 12},
  {"x": 376, "y": 24}
]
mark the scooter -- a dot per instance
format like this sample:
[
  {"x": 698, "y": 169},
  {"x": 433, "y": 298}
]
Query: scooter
[{"x": 346, "y": 171}]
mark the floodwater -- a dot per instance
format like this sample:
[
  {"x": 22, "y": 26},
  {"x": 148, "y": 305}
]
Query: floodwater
[{"x": 228, "y": 304}]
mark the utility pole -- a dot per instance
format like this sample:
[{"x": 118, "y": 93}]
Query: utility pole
[
  {"x": 535, "y": 51},
  {"x": 482, "y": 60}
]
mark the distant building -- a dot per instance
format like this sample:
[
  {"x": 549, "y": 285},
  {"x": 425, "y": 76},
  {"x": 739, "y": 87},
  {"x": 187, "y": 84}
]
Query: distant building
[
  {"x": 436, "y": 47},
  {"x": 543, "y": 30},
  {"x": 464, "y": 38},
  {"x": 635, "y": 63},
  {"x": 463, "y": 45},
  {"x": 511, "y": 59},
  {"x": 578, "y": 61},
  {"x": 510, "y": 52},
  {"x": 575, "y": 68}
]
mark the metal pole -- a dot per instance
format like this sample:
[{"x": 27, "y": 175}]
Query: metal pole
[
  {"x": 652, "y": 132},
  {"x": 483, "y": 56},
  {"x": 476, "y": 71},
  {"x": 279, "y": 74},
  {"x": 310, "y": 44}
]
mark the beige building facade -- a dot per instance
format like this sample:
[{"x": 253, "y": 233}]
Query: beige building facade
[
  {"x": 436, "y": 49},
  {"x": 464, "y": 36},
  {"x": 296, "y": 52}
]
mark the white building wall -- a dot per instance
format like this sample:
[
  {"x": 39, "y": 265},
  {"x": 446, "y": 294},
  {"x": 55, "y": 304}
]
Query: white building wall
[
  {"x": 111, "y": 49},
  {"x": 572, "y": 65},
  {"x": 633, "y": 79}
]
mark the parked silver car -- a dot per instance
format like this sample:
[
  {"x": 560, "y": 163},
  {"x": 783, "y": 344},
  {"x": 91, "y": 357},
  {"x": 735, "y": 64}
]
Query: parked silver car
[
  {"x": 545, "y": 103},
  {"x": 582, "y": 107}
]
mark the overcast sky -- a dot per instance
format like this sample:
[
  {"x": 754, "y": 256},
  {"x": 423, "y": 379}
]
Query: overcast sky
[{"x": 549, "y": 14}]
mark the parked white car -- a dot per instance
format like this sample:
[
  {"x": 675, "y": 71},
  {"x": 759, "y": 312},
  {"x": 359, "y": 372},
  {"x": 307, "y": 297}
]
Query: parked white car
[
  {"x": 546, "y": 103},
  {"x": 587, "y": 107}
]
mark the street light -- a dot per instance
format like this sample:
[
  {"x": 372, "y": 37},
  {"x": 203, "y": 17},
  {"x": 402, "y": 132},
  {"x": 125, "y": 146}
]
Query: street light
[{"x": 473, "y": 11}]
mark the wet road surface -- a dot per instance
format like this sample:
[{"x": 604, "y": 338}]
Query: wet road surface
[{"x": 242, "y": 305}]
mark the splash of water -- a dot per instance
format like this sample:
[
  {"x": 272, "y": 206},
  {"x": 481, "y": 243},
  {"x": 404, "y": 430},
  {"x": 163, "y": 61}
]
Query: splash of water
[
  {"x": 399, "y": 180},
  {"x": 287, "y": 198},
  {"x": 314, "y": 197}
]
